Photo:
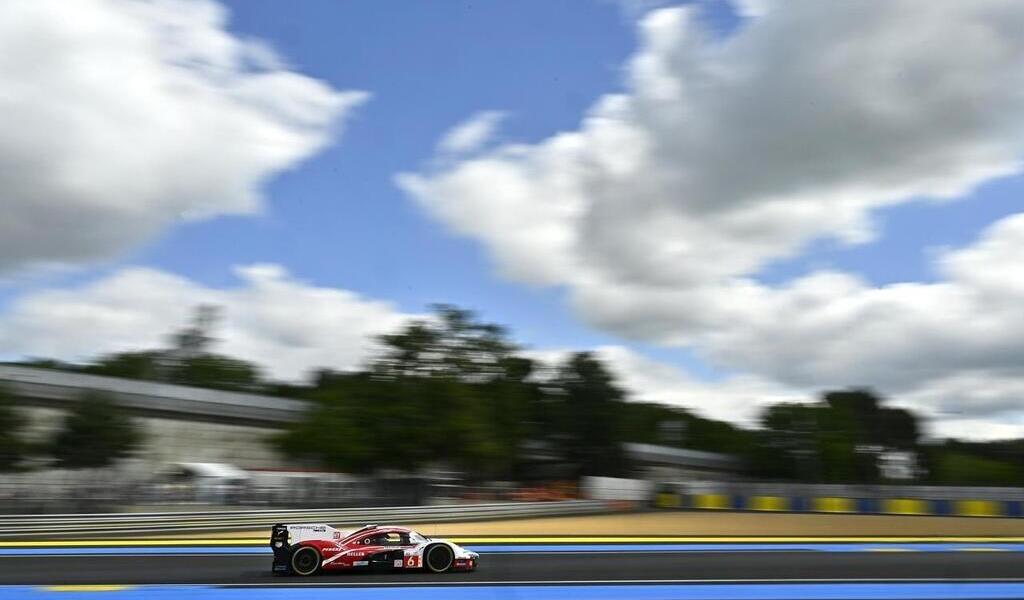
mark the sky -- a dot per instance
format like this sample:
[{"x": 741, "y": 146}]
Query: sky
[{"x": 734, "y": 203}]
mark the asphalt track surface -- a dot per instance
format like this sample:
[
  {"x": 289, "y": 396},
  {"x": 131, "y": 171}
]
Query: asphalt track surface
[{"x": 531, "y": 568}]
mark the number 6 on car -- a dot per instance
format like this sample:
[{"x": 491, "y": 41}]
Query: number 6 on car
[{"x": 308, "y": 549}]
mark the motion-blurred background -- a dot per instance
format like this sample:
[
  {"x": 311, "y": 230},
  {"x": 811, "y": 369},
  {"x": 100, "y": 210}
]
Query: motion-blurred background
[
  {"x": 717, "y": 254},
  {"x": 448, "y": 410}
]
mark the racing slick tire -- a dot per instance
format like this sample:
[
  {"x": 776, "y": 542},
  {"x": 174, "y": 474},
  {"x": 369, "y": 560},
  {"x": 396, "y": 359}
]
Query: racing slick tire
[
  {"x": 438, "y": 558},
  {"x": 305, "y": 561}
]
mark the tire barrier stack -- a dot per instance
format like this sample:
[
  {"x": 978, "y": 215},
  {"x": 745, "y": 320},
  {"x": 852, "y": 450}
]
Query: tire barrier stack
[{"x": 107, "y": 525}]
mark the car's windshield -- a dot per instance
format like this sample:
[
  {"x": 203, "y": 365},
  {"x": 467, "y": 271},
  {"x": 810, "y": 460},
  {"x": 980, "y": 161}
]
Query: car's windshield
[{"x": 416, "y": 538}]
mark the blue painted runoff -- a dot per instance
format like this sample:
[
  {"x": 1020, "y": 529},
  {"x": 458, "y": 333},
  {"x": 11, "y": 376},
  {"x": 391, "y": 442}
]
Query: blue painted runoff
[
  {"x": 534, "y": 548},
  {"x": 740, "y": 591}
]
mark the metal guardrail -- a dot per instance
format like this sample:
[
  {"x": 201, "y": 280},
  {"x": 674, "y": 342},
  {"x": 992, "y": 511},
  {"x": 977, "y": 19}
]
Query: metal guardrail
[{"x": 106, "y": 524}]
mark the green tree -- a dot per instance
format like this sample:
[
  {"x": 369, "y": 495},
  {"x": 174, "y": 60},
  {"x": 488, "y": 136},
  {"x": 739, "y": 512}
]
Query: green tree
[
  {"x": 677, "y": 427},
  {"x": 331, "y": 433},
  {"x": 834, "y": 440},
  {"x": 452, "y": 344},
  {"x": 593, "y": 413},
  {"x": 196, "y": 338},
  {"x": 190, "y": 360},
  {"x": 95, "y": 433},
  {"x": 787, "y": 445},
  {"x": 950, "y": 467},
  {"x": 144, "y": 365},
  {"x": 13, "y": 449},
  {"x": 453, "y": 384},
  {"x": 217, "y": 371},
  {"x": 446, "y": 390}
]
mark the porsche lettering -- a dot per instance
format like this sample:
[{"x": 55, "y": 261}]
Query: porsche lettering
[{"x": 317, "y": 548}]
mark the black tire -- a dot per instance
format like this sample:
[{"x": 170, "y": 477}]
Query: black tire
[
  {"x": 305, "y": 561},
  {"x": 438, "y": 558}
]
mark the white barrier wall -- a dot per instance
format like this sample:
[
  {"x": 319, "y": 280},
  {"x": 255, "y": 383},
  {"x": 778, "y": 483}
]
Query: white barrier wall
[
  {"x": 169, "y": 440},
  {"x": 614, "y": 488}
]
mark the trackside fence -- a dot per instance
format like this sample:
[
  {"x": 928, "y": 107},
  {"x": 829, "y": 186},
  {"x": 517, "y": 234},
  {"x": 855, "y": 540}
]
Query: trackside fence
[{"x": 106, "y": 524}]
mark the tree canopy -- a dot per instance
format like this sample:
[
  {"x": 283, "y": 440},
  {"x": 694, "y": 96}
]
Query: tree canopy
[
  {"x": 453, "y": 390},
  {"x": 13, "y": 448},
  {"x": 95, "y": 433}
]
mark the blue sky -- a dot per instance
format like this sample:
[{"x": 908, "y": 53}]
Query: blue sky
[
  {"x": 333, "y": 217},
  {"x": 338, "y": 219},
  {"x": 908, "y": 237}
]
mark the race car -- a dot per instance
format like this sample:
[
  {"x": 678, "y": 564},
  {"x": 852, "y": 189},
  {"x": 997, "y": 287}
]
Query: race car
[{"x": 305, "y": 549}]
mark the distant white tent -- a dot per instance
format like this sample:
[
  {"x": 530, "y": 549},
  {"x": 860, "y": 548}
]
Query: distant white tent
[{"x": 212, "y": 470}]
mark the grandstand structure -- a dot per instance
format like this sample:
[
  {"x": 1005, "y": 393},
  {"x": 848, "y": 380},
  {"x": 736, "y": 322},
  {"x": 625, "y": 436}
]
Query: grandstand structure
[
  {"x": 180, "y": 423},
  {"x": 183, "y": 424}
]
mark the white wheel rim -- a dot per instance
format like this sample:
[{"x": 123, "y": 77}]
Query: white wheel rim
[
  {"x": 451, "y": 559},
  {"x": 296, "y": 568}
]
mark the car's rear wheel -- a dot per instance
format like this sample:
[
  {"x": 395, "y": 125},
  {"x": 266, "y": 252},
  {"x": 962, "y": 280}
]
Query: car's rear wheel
[
  {"x": 305, "y": 561},
  {"x": 439, "y": 558}
]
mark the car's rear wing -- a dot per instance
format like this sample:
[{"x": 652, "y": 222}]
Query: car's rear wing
[
  {"x": 278, "y": 533},
  {"x": 280, "y": 544}
]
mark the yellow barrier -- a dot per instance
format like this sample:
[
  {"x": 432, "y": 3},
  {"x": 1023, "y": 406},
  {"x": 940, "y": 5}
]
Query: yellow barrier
[
  {"x": 905, "y": 506},
  {"x": 833, "y": 505},
  {"x": 977, "y": 508},
  {"x": 774, "y": 503},
  {"x": 712, "y": 501}
]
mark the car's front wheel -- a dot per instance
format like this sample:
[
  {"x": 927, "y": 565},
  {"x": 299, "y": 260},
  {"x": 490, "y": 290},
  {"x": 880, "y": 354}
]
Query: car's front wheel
[
  {"x": 305, "y": 561},
  {"x": 439, "y": 558}
]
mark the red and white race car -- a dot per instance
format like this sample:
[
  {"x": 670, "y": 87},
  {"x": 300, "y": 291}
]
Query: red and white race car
[{"x": 308, "y": 549}]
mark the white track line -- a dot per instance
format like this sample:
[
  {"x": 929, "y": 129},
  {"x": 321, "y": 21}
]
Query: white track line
[{"x": 613, "y": 582}]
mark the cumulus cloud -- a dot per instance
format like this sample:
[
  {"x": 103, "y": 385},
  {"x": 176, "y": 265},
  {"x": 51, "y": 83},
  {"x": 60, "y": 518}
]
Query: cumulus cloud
[
  {"x": 122, "y": 117},
  {"x": 285, "y": 325},
  {"x": 726, "y": 155},
  {"x": 751, "y": 8},
  {"x": 738, "y": 398},
  {"x": 471, "y": 134},
  {"x": 721, "y": 156},
  {"x": 290, "y": 327},
  {"x": 829, "y": 329},
  {"x": 636, "y": 9}
]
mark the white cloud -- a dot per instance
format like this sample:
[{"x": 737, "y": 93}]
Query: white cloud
[
  {"x": 633, "y": 10},
  {"x": 121, "y": 118},
  {"x": 830, "y": 329},
  {"x": 738, "y": 398},
  {"x": 752, "y": 8},
  {"x": 953, "y": 349},
  {"x": 290, "y": 327},
  {"x": 283, "y": 324},
  {"x": 725, "y": 155},
  {"x": 471, "y": 134}
]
